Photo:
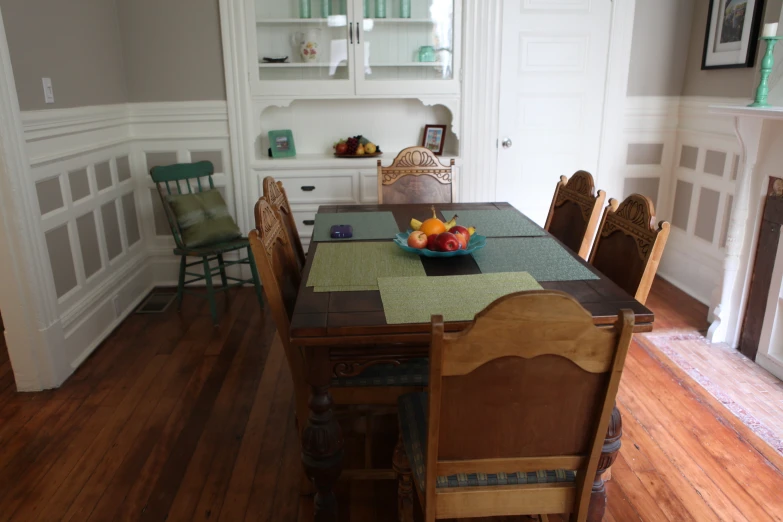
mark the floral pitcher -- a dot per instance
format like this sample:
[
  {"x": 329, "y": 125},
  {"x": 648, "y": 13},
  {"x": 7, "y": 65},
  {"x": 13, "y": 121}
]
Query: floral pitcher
[{"x": 307, "y": 43}]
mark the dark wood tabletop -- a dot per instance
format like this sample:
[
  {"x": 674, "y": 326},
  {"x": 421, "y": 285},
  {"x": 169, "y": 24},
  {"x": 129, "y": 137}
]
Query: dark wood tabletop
[{"x": 355, "y": 317}]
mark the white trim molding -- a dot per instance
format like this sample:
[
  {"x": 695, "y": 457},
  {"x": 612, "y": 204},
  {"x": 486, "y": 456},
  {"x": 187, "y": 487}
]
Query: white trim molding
[{"x": 33, "y": 333}]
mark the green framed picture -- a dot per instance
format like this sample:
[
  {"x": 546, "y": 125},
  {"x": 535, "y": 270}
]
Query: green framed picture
[{"x": 281, "y": 144}]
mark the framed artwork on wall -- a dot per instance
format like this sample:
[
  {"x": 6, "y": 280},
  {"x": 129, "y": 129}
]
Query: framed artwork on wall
[
  {"x": 732, "y": 33},
  {"x": 434, "y": 138}
]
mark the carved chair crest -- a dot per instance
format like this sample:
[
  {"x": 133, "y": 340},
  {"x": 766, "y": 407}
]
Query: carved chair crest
[
  {"x": 635, "y": 217},
  {"x": 416, "y": 161},
  {"x": 580, "y": 189}
]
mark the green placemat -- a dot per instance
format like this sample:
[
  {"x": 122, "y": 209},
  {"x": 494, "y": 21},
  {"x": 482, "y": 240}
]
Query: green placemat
[
  {"x": 457, "y": 298},
  {"x": 496, "y": 223},
  {"x": 366, "y": 225},
  {"x": 542, "y": 257},
  {"x": 345, "y": 267}
]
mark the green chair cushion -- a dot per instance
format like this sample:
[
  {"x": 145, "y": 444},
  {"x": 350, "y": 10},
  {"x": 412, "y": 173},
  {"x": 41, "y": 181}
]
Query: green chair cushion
[
  {"x": 203, "y": 218},
  {"x": 413, "y": 426},
  {"x": 410, "y": 373}
]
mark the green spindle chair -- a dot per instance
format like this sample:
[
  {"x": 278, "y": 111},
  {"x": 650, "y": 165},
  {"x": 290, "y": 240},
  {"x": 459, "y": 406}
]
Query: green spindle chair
[{"x": 171, "y": 180}]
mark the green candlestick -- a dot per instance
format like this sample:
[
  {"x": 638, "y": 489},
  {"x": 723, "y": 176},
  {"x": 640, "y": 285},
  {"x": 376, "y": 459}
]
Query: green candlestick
[{"x": 766, "y": 69}]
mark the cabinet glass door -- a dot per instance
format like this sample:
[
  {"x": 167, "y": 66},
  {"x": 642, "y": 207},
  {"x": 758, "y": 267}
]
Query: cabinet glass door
[
  {"x": 406, "y": 46},
  {"x": 304, "y": 46}
]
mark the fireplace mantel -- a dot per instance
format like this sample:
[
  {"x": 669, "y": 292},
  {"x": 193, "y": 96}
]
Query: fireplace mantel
[{"x": 760, "y": 133}]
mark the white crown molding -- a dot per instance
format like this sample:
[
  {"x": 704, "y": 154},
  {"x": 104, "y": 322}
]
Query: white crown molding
[
  {"x": 167, "y": 112},
  {"x": 39, "y": 125}
]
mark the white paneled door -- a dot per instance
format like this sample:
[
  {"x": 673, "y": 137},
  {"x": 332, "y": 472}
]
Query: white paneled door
[{"x": 552, "y": 88}]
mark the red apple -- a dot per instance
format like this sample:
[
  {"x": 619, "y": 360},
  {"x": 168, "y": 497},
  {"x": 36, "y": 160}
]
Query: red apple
[
  {"x": 431, "y": 241},
  {"x": 447, "y": 242},
  {"x": 417, "y": 239},
  {"x": 457, "y": 229},
  {"x": 341, "y": 148}
]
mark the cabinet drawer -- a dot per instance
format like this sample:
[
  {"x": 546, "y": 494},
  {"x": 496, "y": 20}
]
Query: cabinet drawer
[
  {"x": 305, "y": 220},
  {"x": 331, "y": 189}
]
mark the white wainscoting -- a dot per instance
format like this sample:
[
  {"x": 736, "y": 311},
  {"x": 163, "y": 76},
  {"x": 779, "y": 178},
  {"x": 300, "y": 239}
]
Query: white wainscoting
[
  {"x": 699, "y": 162},
  {"x": 90, "y": 170}
]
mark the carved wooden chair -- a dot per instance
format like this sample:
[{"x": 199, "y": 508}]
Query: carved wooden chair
[
  {"x": 371, "y": 384},
  {"x": 573, "y": 215},
  {"x": 628, "y": 247},
  {"x": 275, "y": 195},
  {"x": 516, "y": 413},
  {"x": 416, "y": 176}
]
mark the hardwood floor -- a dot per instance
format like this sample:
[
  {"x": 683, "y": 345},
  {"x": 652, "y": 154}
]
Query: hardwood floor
[{"x": 174, "y": 420}]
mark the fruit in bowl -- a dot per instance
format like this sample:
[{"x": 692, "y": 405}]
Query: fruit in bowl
[
  {"x": 448, "y": 242},
  {"x": 418, "y": 239},
  {"x": 355, "y": 146}
]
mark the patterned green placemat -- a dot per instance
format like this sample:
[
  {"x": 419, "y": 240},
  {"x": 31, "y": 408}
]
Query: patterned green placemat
[
  {"x": 496, "y": 223},
  {"x": 542, "y": 257},
  {"x": 457, "y": 298},
  {"x": 345, "y": 267},
  {"x": 366, "y": 225}
]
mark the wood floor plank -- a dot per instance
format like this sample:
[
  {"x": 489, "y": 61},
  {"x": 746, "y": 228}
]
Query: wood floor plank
[
  {"x": 749, "y": 470},
  {"x": 228, "y": 446},
  {"x": 182, "y": 478},
  {"x": 636, "y": 440},
  {"x": 241, "y": 482},
  {"x": 637, "y": 494},
  {"x": 687, "y": 454}
]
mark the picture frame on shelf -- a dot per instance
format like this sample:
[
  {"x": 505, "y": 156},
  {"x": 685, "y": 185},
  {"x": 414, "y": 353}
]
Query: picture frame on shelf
[
  {"x": 281, "y": 144},
  {"x": 434, "y": 138},
  {"x": 732, "y": 33}
]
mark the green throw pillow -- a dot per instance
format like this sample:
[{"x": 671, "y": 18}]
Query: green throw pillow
[{"x": 203, "y": 218}]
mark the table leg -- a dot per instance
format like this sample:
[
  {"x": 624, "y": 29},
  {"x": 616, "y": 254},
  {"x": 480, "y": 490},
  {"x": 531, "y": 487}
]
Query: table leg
[
  {"x": 609, "y": 453},
  {"x": 322, "y": 439}
]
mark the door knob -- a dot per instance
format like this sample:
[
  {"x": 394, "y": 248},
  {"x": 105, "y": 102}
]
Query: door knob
[{"x": 507, "y": 143}]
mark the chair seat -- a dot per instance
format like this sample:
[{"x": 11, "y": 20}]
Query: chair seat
[
  {"x": 410, "y": 373},
  {"x": 413, "y": 425},
  {"x": 215, "y": 248}
]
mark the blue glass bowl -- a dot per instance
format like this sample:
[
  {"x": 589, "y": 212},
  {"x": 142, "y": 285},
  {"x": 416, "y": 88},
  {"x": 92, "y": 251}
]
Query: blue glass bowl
[{"x": 476, "y": 242}]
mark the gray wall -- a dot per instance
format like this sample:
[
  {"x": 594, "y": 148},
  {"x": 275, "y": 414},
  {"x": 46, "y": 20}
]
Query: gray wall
[
  {"x": 661, "y": 33},
  {"x": 76, "y": 43},
  {"x": 173, "y": 50},
  {"x": 720, "y": 82}
]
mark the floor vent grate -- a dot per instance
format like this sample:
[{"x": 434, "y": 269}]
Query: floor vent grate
[{"x": 156, "y": 303}]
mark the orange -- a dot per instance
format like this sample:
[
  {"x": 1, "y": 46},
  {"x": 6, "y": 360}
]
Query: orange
[{"x": 433, "y": 226}]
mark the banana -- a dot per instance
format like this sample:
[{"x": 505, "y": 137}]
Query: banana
[
  {"x": 451, "y": 223},
  {"x": 415, "y": 224},
  {"x": 472, "y": 230}
]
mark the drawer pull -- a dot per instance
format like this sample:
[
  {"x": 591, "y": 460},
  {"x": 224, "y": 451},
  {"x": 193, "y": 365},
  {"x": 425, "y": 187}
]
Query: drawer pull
[
  {"x": 308, "y": 188},
  {"x": 309, "y": 222}
]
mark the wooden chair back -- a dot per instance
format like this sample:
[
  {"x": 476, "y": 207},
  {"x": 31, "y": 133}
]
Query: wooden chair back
[
  {"x": 573, "y": 215},
  {"x": 274, "y": 257},
  {"x": 628, "y": 247},
  {"x": 180, "y": 179},
  {"x": 529, "y": 386},
  {"x": 416, "y": 176},
  {"x": 275, "y": 195}
]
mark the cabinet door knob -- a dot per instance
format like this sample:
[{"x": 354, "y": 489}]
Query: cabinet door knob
[
  {"x": 507, "y": 143},
  {"x": 308, "y": 188},
  {"x": 309, "y": 222}
]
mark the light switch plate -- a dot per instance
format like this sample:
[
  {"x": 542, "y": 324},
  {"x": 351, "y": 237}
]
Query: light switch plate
[{"x": 48, "y": 91}]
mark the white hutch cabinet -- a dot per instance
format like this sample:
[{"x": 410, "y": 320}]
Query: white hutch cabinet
[{"x": 329, "y": 69}]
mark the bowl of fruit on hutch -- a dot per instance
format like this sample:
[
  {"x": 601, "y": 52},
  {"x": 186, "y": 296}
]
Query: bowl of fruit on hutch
[
  {"x": 356, "y": 147},
  {"x": 434, "y": 238}
]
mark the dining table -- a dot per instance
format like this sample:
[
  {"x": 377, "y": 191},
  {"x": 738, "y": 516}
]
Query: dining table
[{"x": 341, "y": 331}]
